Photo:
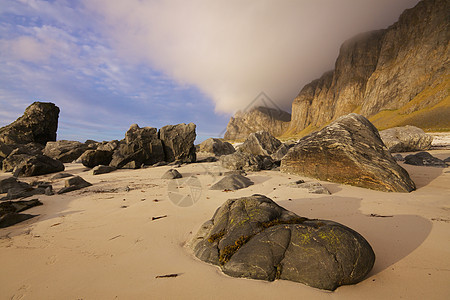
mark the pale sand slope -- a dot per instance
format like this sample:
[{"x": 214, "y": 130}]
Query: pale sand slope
[{"x": 84, "y": 245}]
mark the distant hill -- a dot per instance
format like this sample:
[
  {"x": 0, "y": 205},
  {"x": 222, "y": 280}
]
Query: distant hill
[{"x": 394, "y": 76}]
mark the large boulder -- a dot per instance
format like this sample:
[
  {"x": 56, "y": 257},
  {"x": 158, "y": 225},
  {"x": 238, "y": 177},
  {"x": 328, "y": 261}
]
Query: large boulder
[
  {"x": 216, "y": 147},
  {"x": 424, "y": 159},
  {"x": 20, "y": 153},
  {"x": 92, "y": 158},
  {"x": 38, "y": 165},
  {"x": 65, "y": 151},
  {"x": 141, "y": 147},
  {"x": 348, "y": 151},
  {"x": 246, "y": 161},
  {"x": 38, "y": 124},
  {"x": 253, "y": 237},
  {"x": 406, "y": 139},
  {"x": 178, "y": 141},
  {"x": 260, "y": 143}
]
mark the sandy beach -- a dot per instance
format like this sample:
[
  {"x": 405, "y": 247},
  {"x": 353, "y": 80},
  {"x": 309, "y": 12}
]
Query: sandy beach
[{"x": 101, "y": 242}]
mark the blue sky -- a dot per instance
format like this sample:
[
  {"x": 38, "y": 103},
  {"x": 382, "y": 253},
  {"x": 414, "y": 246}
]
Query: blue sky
[{"x": 110, "y": 63}]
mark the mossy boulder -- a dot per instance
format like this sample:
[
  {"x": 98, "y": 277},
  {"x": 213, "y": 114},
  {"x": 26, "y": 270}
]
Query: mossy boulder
[{"x": 253, "y": 237}]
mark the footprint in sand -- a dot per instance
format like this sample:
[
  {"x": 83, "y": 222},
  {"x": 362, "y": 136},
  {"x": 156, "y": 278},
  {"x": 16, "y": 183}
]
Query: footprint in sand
[
  {"x": 21, "y": 292},
  {"x": 51, "y": 260}
]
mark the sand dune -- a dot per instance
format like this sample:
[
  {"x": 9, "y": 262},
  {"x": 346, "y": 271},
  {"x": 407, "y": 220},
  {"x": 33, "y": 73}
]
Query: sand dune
[{"x": 101, "y": 242}]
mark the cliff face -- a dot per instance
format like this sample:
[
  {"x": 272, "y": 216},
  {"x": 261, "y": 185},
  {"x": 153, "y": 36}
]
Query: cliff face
[
  {"x": 402, "y": 70},
  {"x": 258, "y": 118}
]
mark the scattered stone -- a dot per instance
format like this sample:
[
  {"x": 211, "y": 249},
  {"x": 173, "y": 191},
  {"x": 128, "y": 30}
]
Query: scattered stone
[
  {"x": 178, "y": 141},
  {"x": 312, "y": 187},
  {"x": 61, "y": 175},
  {"x": 101, "y": 169},
  {"x": 232, "y": 182},
  {"x": 253, "y": 237},
  {"x": 398, "y": 157},
  {"x": 38, "y": 124},
  {"x": 424, "y": 159},
  {"x": 216, "y": 147},
  {"x": 23, "y": 192},
  {"x": 9, "y": 211},
  {"x": 246, "y": 162},
  {"x": 406, "y": 139},
  {"x": 38, "y": 165},
  {"x": 159, "y": 217},
  {"x": 11, "y": 182},
  {"x": 73, "y": 184},
  {"x": 65, "y": 151},
  {"x": 260, "y": 143},
  {"x": 348, "y": 151},
  {"x": 172, "y": 174}
]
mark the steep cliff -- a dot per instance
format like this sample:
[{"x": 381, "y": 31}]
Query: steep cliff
[
  {"x": 273, "y": 120},
  {"x": 395, "y": 76}
]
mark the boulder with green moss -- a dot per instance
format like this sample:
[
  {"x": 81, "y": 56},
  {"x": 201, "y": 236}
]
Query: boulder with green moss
[{"x": 253, "y": 237}]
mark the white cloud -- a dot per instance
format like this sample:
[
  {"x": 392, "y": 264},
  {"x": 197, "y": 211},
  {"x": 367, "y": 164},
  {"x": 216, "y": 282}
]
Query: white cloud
[{"x": 232, "y": 50}]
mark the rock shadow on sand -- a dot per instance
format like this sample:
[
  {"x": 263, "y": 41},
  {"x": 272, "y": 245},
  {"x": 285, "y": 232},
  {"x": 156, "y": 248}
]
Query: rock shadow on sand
[{"x": 392, "y": 237}]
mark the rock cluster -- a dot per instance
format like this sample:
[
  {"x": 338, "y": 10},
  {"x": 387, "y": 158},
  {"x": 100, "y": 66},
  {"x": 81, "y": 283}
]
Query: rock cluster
[
  {"x": 348, "y": 151},
  {"x": 216, "y": 147},
  {"x": 255, "y": 238}
]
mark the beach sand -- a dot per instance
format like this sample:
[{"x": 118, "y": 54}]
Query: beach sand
[{"x": 101, "y": 242}]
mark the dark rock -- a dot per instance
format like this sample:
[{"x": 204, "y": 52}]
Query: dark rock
[
  {"x": 232, "y": 182},
  {"x": 258, "y": 118},
  {"x": 178, "y": 141},
  {"x": 19, "y": 154},
  {"x": 92, "y": 158},
  {"x": 281, "y": 151},
  {"x": 61, "y": 175},
  {"x": 246, "y": 161},
  {"x": 23, "y": 192},
  {"x": 160, "y": 164},
  {"x": 216, "y": 147},
  {"x": 5, "y": 150},
  {"x": 65, "y": 151},
  {"x": 101, "y": 169},
  {"x": 73, "y": 184},
  {"x": 406, "y": 139},
  {"x": 424, "y": 159},
  {"x": 235, "y": 172},
  {"x": 9, "y": 211},
  {"x": 260, "y": 143},
  {"x": 255, "y": 238},
  {"x": 172, "y": 174},
  {"x": 312, "y": 187},
  {"x": 207, "y": 159},
  {"x": 14, "y": 160},
  {"x": 348, "y": 151},
  {"x": 38, "y": 124},
  {"x": 108, "y": 146},
  {"x": 398, "y": 157},
  {"x": 38, "y": 165},
  {"x": 11, "y": 182}
]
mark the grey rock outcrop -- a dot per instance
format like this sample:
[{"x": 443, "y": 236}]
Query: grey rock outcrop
[
  {"x": 258, "y": 118},
  {"x": 406, "y": 139},
  {"x": 65, "y": 151},
  {"x": 38, "y": 124},
  {"x": 348, "y": 151},
  {"x": 253, "y": 237},
  {"x": 403, "y": 67},
  {"x": 178, "y": 141},
  {"x": 260, "y": 143},
  {"x": 424, "y": 159},
  {"x": 216, "y": 147},
  {"x": 232, "y": 182},
  {"x": 246, "y": 162}
]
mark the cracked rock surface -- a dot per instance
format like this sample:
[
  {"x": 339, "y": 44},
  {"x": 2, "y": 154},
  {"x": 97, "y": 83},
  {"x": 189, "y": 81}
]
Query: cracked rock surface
[{"x": 253, "y": 237}]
